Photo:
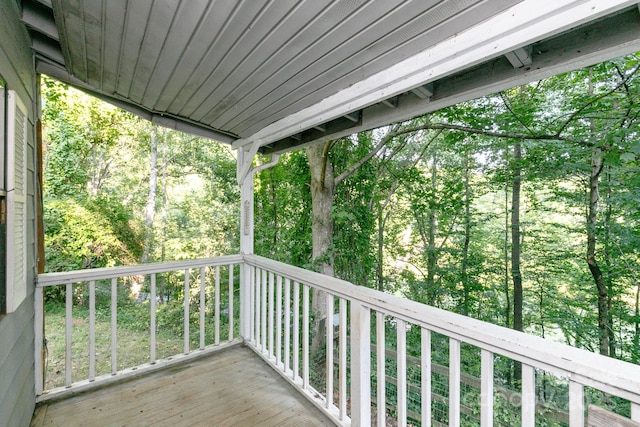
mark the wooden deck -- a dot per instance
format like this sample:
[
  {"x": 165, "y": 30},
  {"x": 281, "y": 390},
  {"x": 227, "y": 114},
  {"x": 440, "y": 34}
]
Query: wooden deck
[{"x": 233, "y": 387}]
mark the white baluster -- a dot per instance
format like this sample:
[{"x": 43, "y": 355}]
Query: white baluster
[
  {"x": 576, "y": 404},
  {"x": 216, "y": 309},
  {"x": 296, "y": 331},
  {"x": 454, "y": 382},
  {"x": 329, "y": 348},
  {"x": 264, "y": 308},
  {"x": 360, "y": 364},
  {"x": 287, "y": 324},
  {"x": 152, "y": 320},
  {"x": 92, "y": 330},
  {"x": 186, "y": 311},
  {"x": 278, "y": 349},
  {"x": 401, "y": 331},
  {"x": 114, "y": 326},
  {"x": 486, "y": 389},
  {"x": 529, "y": 396},
  {"x": 305, "y": 336},
  {"x": 425, "y": 381},
  {"x": 68, "y": 321},
  {"x": 271, "y": 312},
  {"x": 202, "y": 306},
  {"x": 343, "y": 359},
  {"x": 381, "y": 358},
  {"x": 231, "y": 296}
]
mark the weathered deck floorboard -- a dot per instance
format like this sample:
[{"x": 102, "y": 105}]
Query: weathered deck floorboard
[{"x": 233, "y": 387}]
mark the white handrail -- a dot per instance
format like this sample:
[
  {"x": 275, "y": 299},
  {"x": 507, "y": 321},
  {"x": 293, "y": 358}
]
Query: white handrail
[
  {"x": 61, "y": 278},
  {"x": 580, "y": 366},
  {"x": 276, "y": 315},
  {"x": 69, "y": 280}
]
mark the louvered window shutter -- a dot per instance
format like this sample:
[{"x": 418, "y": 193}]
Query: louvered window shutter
[{"x": 16, "y": 202}]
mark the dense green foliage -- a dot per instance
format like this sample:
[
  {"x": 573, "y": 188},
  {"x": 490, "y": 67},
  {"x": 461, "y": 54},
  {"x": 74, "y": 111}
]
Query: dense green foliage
[
  {"x": 428, "y": 216},
  {"x": 439, "y": 194},
  {"x": 97, "y": 175}
]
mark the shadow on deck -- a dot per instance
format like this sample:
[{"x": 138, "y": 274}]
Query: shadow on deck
[{"x": 233, "y": 387}]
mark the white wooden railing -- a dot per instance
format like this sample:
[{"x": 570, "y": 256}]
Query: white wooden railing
[
  {"x": 280, "y": 297},
  {"x": 114, "y": 276},
  {"x": 351, "y": 381}
]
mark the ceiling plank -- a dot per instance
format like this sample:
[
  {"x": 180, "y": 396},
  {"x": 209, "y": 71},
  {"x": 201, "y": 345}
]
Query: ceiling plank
[
  {"x": 390, "y": 38},
  {"x": 521, "y": 25},
  {"x": 603, "y": 40}
]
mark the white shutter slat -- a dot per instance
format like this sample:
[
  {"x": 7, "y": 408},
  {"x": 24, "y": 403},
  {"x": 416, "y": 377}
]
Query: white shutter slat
[{"x": 16, "y": 202}]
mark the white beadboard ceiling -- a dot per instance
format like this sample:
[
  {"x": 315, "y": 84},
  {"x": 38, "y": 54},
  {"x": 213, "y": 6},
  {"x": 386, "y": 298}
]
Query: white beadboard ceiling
[{"x": 282, "y": 73}]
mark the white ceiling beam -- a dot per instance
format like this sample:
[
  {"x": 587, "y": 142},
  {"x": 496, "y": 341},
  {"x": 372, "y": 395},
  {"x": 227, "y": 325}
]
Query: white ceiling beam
[
  {"x": 520, "y": 57},
  {"x": 354, "y": 117},
  {"x": 423, "y": 91},
  {"x": 520, "y": 25},
  {"x": 391, "y": 102}
]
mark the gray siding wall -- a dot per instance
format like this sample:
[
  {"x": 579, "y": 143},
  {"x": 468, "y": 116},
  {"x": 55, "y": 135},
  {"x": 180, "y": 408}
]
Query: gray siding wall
[{"x": 17, "y": 396}]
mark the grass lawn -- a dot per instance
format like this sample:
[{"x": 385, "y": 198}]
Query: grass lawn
[{"x": 133, "y": 338}]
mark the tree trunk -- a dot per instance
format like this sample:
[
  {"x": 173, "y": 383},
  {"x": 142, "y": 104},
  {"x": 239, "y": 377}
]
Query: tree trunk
[
  {"x": 594, "y": 268},
  {"x": 516, "y": 274},
  {"x": 467, "y": 237},
  {"x": 162, "y": 289},
  {"x": 380, "y": 247},
  {"x": 607, "y": 262},
  {"x": 431, "y": 238},
  {"x": 150, "y": 208},
  {"x": 322, "y": 195},
  {"x": 507, "y": 310},
  {"x": 635, "y": 357}
]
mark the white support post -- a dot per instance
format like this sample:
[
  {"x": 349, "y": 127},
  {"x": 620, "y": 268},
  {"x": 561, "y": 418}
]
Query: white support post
[
  {"x": 246, "y": 248},
  {"x": 244, "y": 175},
  {"x": 360, "y": 364},
  {"x": 39, "y": 340}
]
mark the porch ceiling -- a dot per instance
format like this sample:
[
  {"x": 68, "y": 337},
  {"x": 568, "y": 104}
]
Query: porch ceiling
[{"x": 281, "y": 73}]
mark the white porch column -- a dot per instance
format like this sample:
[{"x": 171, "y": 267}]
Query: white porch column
[
  {"x": 245, "y": 175},
  {"x": 245, "y": 179}
]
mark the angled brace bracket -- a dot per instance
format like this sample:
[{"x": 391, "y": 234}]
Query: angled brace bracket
[{"x": 245, "y": 159}]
